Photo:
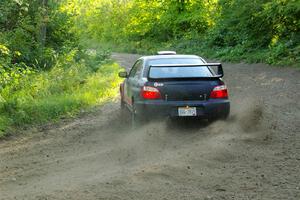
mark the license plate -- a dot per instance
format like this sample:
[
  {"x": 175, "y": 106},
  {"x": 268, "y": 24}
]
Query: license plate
[{"x": 187, "y": 111}]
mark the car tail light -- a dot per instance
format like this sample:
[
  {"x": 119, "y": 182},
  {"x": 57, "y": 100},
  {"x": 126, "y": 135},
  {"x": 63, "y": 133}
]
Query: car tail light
[
  {"x": 219, "y": 92},
  {"x": 149, "y": 92}
]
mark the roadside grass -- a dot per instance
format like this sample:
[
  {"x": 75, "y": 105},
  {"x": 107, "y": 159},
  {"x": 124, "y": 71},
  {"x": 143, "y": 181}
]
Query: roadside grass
[{"x": 63, "y": 91}]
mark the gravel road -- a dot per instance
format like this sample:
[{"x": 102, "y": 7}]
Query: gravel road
[{"x": 253, "y": 155}]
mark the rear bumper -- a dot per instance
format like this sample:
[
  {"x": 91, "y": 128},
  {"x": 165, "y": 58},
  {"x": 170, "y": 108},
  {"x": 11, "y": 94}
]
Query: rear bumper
[{"x": 213, "y": 108}]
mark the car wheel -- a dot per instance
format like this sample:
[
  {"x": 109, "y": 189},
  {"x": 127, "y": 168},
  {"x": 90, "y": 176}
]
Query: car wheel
[
  {"x": 223, "y": 116},
  {"x": 125, "y": 114},
  {"x": 133, "y": 117},
  {"x": 122, "y": 108},
  {"x": 122, "y": 104},
  {"x": 137, "y": 120}
]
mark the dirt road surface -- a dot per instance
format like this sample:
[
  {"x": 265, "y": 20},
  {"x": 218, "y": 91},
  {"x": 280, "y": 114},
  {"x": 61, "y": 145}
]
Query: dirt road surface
[{"x": 253, "y": 155}]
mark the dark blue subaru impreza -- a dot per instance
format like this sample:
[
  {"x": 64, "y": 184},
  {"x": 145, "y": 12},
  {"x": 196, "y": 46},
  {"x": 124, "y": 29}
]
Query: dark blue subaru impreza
[{"x": 174, "y": 85}]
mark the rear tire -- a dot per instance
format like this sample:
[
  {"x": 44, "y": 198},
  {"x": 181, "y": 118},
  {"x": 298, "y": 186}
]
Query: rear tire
[
  {"x": 122, "y": 104},
  {"x": 133, "y": 120},
  {"x": 123, "y": 107},
  {"x": 137, "y": 120},
  {"x": 125, "y": 114},
  {"x": 133, "y": 117},
  {"x": 224, "y": 116}
]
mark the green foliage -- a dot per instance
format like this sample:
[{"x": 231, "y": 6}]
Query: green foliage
[
  {"x": 11, "y": 74},
  {"x": 37, "y": 29},
  {"x": 250, "y": 30},
  {"x": 62, "y": 91}
]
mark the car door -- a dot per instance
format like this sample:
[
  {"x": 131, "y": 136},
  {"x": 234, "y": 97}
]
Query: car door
[{"x": 131, "y": 83}]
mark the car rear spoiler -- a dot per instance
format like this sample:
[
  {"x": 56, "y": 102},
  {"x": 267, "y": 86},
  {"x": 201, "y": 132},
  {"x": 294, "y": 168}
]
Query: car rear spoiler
[{"x": 219, "y": 73}]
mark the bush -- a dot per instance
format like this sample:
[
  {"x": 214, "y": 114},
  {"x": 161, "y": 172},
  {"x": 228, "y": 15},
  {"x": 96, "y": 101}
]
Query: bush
[{"x": 62, "y": 91}]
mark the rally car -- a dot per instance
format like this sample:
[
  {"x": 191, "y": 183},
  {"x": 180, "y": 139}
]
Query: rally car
[{"x": 176, "y": 86}]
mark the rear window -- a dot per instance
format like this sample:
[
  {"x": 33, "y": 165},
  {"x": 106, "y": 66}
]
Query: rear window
[{"x": 179, "y": 72}]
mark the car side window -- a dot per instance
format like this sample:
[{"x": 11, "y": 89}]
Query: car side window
[
  {"x": 136, "y": 69},
  {"x": 139, "y": 69}
]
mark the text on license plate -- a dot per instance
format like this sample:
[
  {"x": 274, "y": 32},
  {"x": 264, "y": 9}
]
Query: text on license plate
[{"x": 187, "y": 111}]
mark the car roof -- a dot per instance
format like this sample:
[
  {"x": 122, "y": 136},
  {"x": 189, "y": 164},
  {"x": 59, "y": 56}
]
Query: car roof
[{"x": 153, "y": 57}]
